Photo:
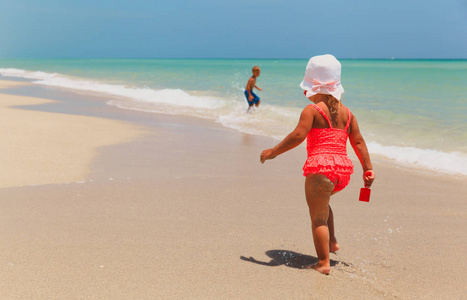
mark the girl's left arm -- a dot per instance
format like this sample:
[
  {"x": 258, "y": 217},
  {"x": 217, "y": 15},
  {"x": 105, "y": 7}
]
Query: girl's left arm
[{"x": 294, "y": 138}]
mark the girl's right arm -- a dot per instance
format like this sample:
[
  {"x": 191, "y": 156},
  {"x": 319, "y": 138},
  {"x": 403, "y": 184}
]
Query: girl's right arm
[
  {"x": 294, "y": 138},
  {"x": 359, "y": 146}
]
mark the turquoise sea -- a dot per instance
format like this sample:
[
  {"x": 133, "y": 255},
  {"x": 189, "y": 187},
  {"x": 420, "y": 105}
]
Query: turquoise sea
[{"x": 411, "y": 112}]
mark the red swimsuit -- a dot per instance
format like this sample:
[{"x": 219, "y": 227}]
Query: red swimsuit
[{"x": 327, "y": 153}]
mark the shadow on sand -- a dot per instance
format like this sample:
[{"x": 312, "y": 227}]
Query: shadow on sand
[{"x": 288, "y": 258}]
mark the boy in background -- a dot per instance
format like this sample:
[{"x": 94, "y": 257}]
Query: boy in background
[{"x": 251, "y": 97}]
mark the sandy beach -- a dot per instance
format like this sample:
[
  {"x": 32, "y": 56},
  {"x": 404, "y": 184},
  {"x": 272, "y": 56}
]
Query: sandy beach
[
  {"x": 103, "y": 203},
  {"x": 46, "y": 148}
]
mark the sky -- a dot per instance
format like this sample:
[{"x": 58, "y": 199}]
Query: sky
[{"x": 409, "y": 29}]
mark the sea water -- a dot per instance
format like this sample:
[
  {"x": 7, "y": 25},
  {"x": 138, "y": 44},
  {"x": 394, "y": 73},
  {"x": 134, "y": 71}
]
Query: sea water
[{"x": 411, "y": 112}]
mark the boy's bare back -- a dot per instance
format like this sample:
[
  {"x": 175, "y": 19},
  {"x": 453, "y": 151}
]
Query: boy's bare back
[{"x": 251, "y": 83}]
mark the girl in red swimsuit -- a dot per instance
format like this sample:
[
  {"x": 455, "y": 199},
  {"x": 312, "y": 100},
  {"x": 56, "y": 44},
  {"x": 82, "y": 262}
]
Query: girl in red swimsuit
[{"x": 326, "y": 124}]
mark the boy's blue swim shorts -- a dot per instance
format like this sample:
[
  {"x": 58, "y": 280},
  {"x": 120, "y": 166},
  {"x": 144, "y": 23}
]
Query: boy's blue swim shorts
[{"x": 255, "y": 98}]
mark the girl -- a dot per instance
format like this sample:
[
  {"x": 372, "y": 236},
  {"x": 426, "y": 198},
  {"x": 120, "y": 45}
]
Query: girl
[{"x": 326, "y": 124}]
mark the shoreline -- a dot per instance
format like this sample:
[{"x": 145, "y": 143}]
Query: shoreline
[
  {"x": 386, "y": 134},
  {"x": 395, "y": 133},
  {"x": 383, "y": 158},
  {"x": 186, "y": 210},
  {"x": 63, "y": 147}
]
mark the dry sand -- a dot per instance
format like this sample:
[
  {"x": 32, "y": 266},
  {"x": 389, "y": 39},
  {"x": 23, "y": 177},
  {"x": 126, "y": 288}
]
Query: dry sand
[
  {"x": 46, "y": 148},
  {"x": 186, "y": 211}
]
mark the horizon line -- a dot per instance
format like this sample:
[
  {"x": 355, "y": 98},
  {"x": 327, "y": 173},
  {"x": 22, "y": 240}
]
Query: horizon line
[{"x": 219, "y": 58}]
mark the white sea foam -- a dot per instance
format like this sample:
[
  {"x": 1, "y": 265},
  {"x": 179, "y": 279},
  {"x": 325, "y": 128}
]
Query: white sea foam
[
  {"x": 268, "y": 120},
  {"x": 11, "y": 72},
  {"x": 453, "y": 163},
  {"x": 175, "y": 97}
]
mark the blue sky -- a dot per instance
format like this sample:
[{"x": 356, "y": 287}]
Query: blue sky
[{"x": 233, "y": 29}]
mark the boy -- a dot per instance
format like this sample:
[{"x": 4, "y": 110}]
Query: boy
[{"x": 251, "y": 97}]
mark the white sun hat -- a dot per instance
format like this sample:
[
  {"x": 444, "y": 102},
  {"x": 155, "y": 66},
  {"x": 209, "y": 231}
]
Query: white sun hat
[{"x": 323, "y": 76}]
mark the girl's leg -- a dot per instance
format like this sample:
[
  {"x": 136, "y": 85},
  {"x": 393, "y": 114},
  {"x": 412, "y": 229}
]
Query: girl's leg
[
  {"x": 333, "y": 246},
  {"x": 318, "y": 190}
]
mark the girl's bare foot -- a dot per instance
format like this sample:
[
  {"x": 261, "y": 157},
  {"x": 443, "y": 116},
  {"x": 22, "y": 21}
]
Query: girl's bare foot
[
  {"x": 333, "y": 246},
  {"x": 322, "y": 268}
]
